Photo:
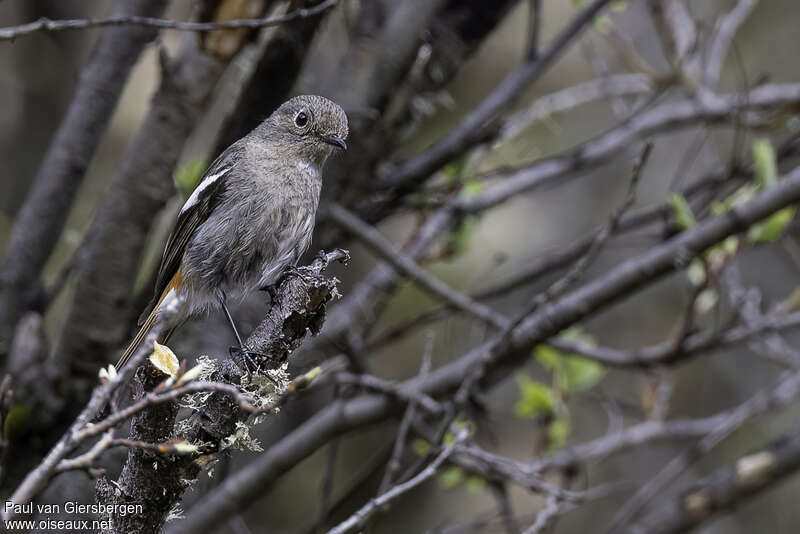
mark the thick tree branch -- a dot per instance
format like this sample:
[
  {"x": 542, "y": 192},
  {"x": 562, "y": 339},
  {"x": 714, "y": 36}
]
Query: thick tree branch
[
  {"x": 38, "y": 225},
  {"x": 299, "y": 307},
  {"x": 101, "y": 311}
]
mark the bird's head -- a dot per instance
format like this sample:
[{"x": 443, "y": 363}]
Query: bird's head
[{"x": 313, "y": 126}]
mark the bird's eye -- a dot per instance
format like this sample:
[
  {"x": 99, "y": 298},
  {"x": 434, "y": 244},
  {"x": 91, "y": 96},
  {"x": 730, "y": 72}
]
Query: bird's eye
[{"x": 301, "y": 119}]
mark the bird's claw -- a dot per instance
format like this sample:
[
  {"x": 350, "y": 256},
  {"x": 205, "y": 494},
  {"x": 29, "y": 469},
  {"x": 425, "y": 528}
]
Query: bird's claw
[
  {"x": 272, "y": 291},
  {"x": 303, "y": 273},
  {"x": 244, "y": 359}
]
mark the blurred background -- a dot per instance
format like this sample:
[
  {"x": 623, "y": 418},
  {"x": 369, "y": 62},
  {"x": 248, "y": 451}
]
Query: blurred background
[{"x": 38, "y": 78}]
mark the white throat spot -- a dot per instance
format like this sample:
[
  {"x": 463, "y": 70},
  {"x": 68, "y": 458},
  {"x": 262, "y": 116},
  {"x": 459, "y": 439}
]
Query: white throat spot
[{"x": 307, "y": 168}]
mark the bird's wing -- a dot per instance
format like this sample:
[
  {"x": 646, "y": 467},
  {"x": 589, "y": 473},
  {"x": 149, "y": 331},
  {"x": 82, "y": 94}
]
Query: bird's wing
[{"x": 197, "y": 208}]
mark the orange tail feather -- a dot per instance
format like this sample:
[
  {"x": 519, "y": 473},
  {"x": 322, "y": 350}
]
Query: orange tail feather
[{"x": 148, "y": 323}]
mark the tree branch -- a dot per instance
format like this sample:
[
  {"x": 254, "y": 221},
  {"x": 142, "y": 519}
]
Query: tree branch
[
  {"x": 725, "y": 489},
  {"x": 44, "y": 24},
  {"x": 785, "y": 390},
  {"x": 40, "y": 221},
  {"x": 299, "y": 307},
  {"x": 240, "y": 489},
  {"x": 725, "y": 33},
  {"x": 405, "y": 265},
  {"x": 361, "y": 516},
  {"x": 664, "y": 117},
  {"x": 472, "y": 128}
]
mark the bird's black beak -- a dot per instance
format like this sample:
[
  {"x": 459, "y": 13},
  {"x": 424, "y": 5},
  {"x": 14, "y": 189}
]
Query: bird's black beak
[{"x": 335, "y": 140}]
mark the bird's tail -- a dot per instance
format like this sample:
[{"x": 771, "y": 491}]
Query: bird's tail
[{"x": 147, "y": 325}]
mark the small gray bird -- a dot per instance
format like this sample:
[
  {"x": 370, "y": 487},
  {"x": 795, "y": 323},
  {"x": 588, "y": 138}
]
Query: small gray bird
[{"x": 251, "y": 216}]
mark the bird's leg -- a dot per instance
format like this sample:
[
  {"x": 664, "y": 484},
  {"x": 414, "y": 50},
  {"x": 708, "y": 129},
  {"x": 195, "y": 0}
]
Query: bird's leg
[
  {"x": 246, "y": 354},
  {"x": 230, "y": 320}
]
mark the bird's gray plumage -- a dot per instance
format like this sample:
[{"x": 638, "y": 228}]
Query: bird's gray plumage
[{"x": 252, "y": 214}]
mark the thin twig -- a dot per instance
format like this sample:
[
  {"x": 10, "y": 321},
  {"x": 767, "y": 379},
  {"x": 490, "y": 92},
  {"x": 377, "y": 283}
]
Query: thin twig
[
  {"x": 534, "y": 29},
  {"x": 667, "y": 353},
  {"x": 44, "y": 24},
  {"x": 499, "y": 468},
  {"x": 785, "y": 390},
  {"x": 405, "y": 424},
  {"x": 545, "y": 516},
  {"x": 368, "y": 235},
  {"x": 361, "y": 516},
  {"x": 566, "y": 99},
  {"x": 726, "y": 31},
  {"x": 153, "y": 398},
  {"x": 85, "y": 460},
  {"x": 373, "y": 383},
  {"x": 504, "y": 507},
  {"x": 472, "y": 128}
]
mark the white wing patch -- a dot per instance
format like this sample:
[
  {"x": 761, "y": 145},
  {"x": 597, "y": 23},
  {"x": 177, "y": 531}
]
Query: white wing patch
[{"x": 207, "y": 181}]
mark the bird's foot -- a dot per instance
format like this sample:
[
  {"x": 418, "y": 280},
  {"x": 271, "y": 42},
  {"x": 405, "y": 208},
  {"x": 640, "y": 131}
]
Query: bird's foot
[
  {"x": 246, "y": 361},
  {"x": 272, "y": 290},
  {"x": 304, "y": 273}
]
